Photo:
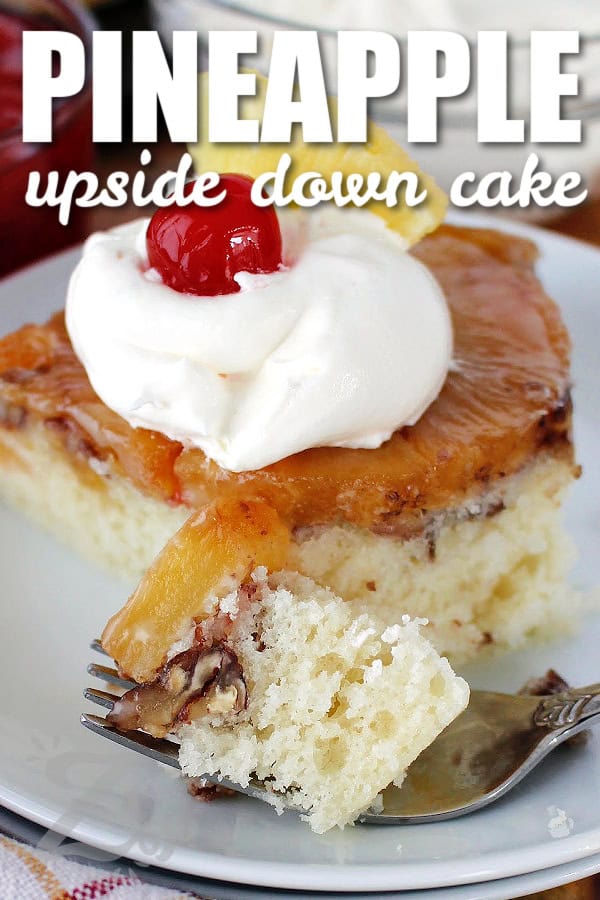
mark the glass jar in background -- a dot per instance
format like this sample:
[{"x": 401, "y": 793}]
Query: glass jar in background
[{"x": 28, "y": 233}]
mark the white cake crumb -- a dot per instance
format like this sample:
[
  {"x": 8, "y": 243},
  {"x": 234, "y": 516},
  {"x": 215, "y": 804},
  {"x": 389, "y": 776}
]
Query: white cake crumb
[
  {"x": 184, "y": 643},
  {"x": 375, "y": 670},
  {"x": 392, "y": 634},
  {"x": 334, "y": 713},
  {"x": 276, "y": 801},
  {"x": 376, "y": 806},
  {"x": 259, "y": 575},
  {"x": 361, "y": 636},
  {"x": 229, "y": 605}
]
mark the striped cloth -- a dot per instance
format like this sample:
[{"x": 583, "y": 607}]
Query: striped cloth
[{"x": 30, "y": 874}]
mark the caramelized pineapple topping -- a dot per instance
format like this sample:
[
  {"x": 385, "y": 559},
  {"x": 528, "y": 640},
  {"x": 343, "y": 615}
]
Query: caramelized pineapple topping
[{"x": 215, "y": 551}]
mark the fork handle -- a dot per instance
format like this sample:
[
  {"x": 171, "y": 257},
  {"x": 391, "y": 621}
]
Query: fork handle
[{"x": 568, "y": 708}]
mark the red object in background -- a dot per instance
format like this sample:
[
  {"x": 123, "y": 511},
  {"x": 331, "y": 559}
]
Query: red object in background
[
  {"x": 200, "y": 250},
  {"x": 28, "y": 233}
]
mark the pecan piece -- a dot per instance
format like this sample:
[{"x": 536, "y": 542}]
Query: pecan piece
[
  {"x": 206, "y": 791},
  {"x": 195, "y": 683},
  {"x": 550, "y": 683}
]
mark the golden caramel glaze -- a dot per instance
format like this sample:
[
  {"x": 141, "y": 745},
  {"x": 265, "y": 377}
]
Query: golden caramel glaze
[
  {"x": 40, "y": 376},
  {"x": 504, "y": 402}
]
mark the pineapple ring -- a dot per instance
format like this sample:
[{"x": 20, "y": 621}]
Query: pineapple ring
[{"x": 380, "y": 154}]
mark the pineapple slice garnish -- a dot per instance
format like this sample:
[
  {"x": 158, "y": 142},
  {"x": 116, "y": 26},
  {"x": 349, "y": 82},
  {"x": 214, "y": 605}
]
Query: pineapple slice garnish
[
  {"x": 380, "y": 154},
  {"x": 212, "y": 553}
]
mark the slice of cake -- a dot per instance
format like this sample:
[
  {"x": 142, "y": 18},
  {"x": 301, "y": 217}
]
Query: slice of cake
[
  {"x": 456, "y": 519},
  {"x": 277, "y": 679}
]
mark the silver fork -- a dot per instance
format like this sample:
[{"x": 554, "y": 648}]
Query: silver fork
[{"x": 481, "y": 756}]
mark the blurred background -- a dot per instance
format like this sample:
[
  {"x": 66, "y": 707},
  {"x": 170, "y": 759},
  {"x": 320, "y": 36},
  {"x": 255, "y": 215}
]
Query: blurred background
[
  {"x": 27, "y": 233},
  {"x": 458, "y": 149}
]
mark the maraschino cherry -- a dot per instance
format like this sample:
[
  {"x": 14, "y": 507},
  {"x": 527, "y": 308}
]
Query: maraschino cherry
[{"x": 199, "y": 250}]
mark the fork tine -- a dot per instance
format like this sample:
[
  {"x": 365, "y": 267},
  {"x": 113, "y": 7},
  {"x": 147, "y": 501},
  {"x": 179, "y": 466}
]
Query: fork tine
[
  {"x": 97, "y": 646},
  {"x": 102, "y": 698},
  {"x": 160, "y": 749},
  {"x": 156, "y": 748},
  {"x": 106, "y": 673},
  {"x": 164, "y": 751}
]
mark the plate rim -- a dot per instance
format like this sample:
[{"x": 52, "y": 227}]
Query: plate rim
[{"x": 23, "y": 830}]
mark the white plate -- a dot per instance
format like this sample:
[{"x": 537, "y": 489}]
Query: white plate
[
  {"x": 57, "y": 774},
  {"x": 518, "y": 886}
]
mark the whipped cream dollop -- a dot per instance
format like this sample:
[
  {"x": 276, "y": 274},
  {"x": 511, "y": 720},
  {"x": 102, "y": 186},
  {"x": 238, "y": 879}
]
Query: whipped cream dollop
[{"x": 349, "y": 341}]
